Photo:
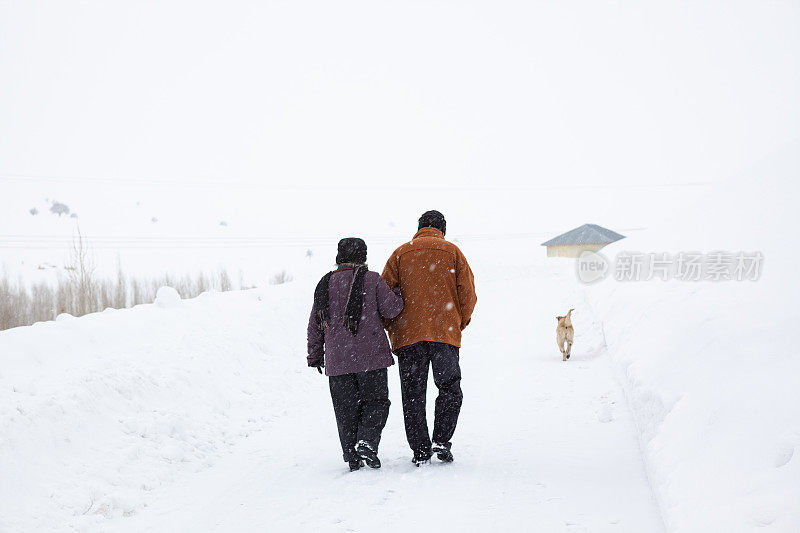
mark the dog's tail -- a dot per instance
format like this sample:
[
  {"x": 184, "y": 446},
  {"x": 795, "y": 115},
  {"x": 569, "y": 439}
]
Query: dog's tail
[{"x": 568, "y": 318}]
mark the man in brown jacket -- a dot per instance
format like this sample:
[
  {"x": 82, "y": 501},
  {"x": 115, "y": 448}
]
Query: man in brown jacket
[{"x": 439, "y": 293}]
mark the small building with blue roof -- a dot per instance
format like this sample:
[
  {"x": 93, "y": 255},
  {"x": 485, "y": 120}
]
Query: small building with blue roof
[{"x": 586, "y": 238}]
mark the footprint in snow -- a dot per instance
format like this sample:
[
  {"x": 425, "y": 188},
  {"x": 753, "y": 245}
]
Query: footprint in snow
[
  {"x": 606, "y": 412},
  {"x": 573, "y": 526},
  {"x": 764, "y": 520},
  {"x": 605, "y": 415},
  {"x": 784, "y": 454}
]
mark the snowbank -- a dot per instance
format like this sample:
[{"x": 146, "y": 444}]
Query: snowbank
[
  {"x": 712, "y": 368},
  {"x": 95, "y": 412}
]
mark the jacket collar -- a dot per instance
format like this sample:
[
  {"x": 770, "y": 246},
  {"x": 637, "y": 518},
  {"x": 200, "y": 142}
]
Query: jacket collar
[
  {"x": 347, "y": 266},
  {"x": 429, "y": 232}
]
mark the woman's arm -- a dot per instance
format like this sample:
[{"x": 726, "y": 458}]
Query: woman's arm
[
  {"x": 316, "y": 342},
  {"x": 390, "y": 302}
]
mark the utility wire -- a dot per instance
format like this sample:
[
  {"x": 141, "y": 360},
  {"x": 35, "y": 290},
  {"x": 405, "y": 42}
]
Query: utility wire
[
  {"x": 239, "y": 184},
  {"x": 131, "y": 242}
]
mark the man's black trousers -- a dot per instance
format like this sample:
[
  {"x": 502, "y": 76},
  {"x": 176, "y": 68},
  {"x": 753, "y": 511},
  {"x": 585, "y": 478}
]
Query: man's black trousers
[
  {"x": 361, "y": 404},
  {"x": 414, "y": 361}
]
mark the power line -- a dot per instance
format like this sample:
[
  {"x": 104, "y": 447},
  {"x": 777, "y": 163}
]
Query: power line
[
  {"x": 104, "y": 180},
  {"x": 132, "y": 242},
  {"x": 239, "y": 184}
]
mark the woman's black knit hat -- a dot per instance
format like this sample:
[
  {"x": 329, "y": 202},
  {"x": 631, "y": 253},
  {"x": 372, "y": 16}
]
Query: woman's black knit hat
[{"x": 352, "y": 250}]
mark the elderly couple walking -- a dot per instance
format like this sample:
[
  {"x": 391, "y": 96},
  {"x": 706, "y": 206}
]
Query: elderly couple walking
[{"x": 424, "y": 299}]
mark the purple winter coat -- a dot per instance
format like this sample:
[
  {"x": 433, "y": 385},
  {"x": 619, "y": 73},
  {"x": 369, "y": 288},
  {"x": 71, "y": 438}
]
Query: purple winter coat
[{"x": 343, "y": 352}]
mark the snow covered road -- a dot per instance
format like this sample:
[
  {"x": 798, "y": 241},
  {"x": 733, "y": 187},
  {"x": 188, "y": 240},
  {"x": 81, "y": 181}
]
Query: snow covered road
[{"x": 542, "y": 445}]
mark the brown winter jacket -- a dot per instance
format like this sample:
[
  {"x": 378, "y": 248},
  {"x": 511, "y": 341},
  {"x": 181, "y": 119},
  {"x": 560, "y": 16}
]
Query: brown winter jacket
[{"x": 438, "y": 289}]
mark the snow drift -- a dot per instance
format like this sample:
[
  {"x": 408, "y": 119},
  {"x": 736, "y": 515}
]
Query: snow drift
[
  {"x": 95, "y": 412},
  {"x": 711, "y": 368}
]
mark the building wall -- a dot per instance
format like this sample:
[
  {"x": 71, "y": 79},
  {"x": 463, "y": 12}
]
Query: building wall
[{"x": 572, "y": 250}]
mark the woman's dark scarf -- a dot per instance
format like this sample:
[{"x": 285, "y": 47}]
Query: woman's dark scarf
[{"x": 355, "y": 300}]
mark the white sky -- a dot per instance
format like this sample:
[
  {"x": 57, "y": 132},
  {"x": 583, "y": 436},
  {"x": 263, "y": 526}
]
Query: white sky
[{"x": 413, "y": 94}]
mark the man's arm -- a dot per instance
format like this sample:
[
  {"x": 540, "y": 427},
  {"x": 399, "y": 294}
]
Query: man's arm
[{"x": 465, "y": 284}]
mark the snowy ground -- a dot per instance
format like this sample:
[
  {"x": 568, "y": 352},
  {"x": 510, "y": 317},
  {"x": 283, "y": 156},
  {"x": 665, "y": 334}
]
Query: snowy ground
[
  {"x": 203, "y": 417},
  {"x": 541, "y": 445},
  {"x": 678, "y": 411}
]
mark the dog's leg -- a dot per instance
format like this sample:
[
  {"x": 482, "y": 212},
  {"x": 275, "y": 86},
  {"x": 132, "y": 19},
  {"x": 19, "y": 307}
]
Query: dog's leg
[
  {"x": 569, "y": 349},
  {"x": 563, "y": 353}
]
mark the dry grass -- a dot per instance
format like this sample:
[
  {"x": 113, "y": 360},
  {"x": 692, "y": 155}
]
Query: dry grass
[
  {"x": 280, "y": 278},
  {"x": 81, "y": 291},
  {"x": 22, "y": 305}
]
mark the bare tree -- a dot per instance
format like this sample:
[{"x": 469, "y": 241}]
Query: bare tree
[
  {"x": 224, "y": 280},
  {"x": 59, "y": 209},
  {"x": 121, "y": 290},
  {"x": 42, "y": 303},
  {"x": 6, "y": 311},
  {"x": 81, "y": 272},
  {"x": 64, "y": 296},
  {"x": 137, "y": 296},
  {"x": 104, "y": 292}
]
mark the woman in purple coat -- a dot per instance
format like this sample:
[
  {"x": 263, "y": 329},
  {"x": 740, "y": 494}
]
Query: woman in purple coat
[{"x": 346, "y": 337}]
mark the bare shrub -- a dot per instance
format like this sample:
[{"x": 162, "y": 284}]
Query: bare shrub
[
  {"x": 138, "y": 292},
  {"x": 201, "y": 285},
  {"x": 121, "y": 288},
  {"x": 7, "y": 314},
  {"x": 280, "y": 278},
  {"x": 42, "y": 303},
  {"x": 18, "y": 307},
  {"x": 64, "y": 295},
  {"x": 224, "y": 280},
  {"x": 105, "y": 294}
]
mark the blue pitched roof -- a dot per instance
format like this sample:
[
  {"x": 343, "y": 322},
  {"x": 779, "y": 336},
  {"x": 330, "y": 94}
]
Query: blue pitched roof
[{"x": 586, "y": 234}]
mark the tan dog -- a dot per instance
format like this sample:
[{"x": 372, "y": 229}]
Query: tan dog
[{"x": 564, "y": 334}]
